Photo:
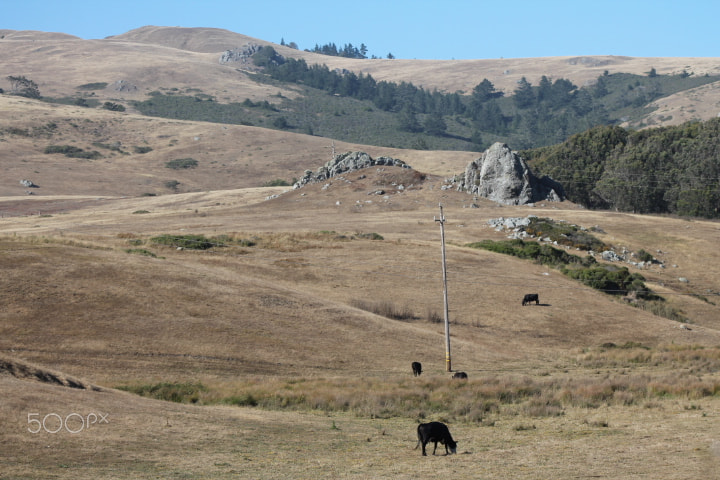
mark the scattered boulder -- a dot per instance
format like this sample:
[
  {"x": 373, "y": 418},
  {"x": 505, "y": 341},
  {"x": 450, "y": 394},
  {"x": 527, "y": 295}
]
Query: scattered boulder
[
  {"x": 124, "y": 86},
  {"x": 503, "y": 176},
  {"x": 347, "y": 162}
]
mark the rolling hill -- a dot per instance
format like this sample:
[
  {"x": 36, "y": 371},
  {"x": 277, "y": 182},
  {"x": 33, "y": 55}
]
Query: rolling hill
[{"x": 272, "y": 312}]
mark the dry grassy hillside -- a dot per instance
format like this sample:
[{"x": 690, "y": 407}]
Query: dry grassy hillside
[
  {"x": 228, "y": 156},
  {"x": 299, "y": 381},
  {"x": 151, "y": 58},
  {"x": 281, "y": 315}
]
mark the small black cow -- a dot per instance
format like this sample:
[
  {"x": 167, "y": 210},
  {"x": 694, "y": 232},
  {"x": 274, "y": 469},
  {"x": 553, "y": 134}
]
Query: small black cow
[
  {"x": 460, "y": 375},
  {"x": 417, "y": 368},
  {"x": 531, "y": 297},
  {"x": 435, "y": 432}
]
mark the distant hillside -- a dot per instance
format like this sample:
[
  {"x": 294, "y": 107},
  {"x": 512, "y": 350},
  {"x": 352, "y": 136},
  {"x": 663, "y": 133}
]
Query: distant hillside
[
  {"x": 152, "y": 58},
  {"x": 404, "y": 105}
]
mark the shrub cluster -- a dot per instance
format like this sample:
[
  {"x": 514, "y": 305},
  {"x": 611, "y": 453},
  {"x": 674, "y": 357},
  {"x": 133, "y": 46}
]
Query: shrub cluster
[
  {"x": 170, "y": 391},
  {"x": 182, "y": 163},
  {"x": 531, "y": 250},
  {"x": 72, "y": 151},
  {"x": 190, "y": 242},
  {"x": 610, "y": 279},
  {"x": 564, "y": 234}
]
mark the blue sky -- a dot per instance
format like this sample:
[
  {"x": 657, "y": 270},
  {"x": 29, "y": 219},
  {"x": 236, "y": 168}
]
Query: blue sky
[{"x": 419, "y": 29}]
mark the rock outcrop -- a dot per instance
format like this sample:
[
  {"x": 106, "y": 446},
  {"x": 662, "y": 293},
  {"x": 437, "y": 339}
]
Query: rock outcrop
[
  {"x": 503, "y": 176},
  {"x": 347, "y": 162},
  {"x": 242, "y": 55}
]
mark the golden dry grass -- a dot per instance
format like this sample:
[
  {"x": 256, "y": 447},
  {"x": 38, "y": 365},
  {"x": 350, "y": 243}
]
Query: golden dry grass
[
  {"x": 266, "y": 316},
  {"x": 282, "y": 314}
]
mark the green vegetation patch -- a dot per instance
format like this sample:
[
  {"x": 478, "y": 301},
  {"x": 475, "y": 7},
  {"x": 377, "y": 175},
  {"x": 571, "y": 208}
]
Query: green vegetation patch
[
  {"x": 187, "y": 392},
  {"x": 531, "y": 250},
  {"x": 565, "y": 234},
  {"x": 610, "y": 279},
  {"x": 191, "y": 242},
  {"x": 72, "y": 152},
  {"x": 182, "y": 163},
  {"x": 92, "y": 86},
  {"x": 278, "y": 182},
  {"x": 141, "y": 251}
]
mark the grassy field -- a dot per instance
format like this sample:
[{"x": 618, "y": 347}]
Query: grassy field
[
  {"x": 269, "y": 355},
  {"x": 276, "y": 372}
]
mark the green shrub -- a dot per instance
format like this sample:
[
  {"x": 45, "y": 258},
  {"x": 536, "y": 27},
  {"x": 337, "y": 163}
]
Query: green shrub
[
  {"x": 244, "y": 400},
  {"x": 141, "y": 251},
  {"x": 610, "y": 279},
  {"x": 182, "y": 163},
  {"x": 564, "y": 234},
  {"x": 115, "y": 107},
  {"x": 173, "y": 392},
  {"x": 72, "y": 151},
  {"x": 531, "y": 250},
  {"x": 142, "y": 149},
  {"x": 644, "y": 256},
  {"x": 276, "y": 183},
  {"x": 191, "y": 242},
  {"x": 92, "y": 86}
]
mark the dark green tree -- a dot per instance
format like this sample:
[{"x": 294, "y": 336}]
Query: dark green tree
[
  {"x": 524, "y": 96},
  {"x": 407, "y": 120},
  {"x": 434, "y": 124},
  {"x": 23, "y": 87}
]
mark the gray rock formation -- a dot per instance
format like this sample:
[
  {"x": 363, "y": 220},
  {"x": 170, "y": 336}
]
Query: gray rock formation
[
  {"x": 124, "y": 86},
  {"x": 503, "y": 176},
  {"x": 241, "y": 55},
  {"x": 347, "y": 162}
]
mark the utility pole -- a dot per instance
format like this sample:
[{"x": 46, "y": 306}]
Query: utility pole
[{"x": 448, "y": 363}]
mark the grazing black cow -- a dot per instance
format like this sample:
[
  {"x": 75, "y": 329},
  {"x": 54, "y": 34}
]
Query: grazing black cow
[
  {"x": 531, "y": 297},
  {"x": 435, "y": 432},
  {"x": 417, "y": 368},
  {"x": 460, "y": 375}
]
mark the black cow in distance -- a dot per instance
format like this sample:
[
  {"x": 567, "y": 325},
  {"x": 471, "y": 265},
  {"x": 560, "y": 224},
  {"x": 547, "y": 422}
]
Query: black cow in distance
[{"x": 531, "y": 297}]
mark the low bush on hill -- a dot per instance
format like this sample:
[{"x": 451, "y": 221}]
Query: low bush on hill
[
  {"x": 182, "y": 163},
  {"x": 565, "y": 234},
  {"x": 190, "y": 242},
  {"x": 186, "y": 392},
  {"x": 92, "y": 86},
  {"x": 72, "y": 151},
  {"x": 141, "y": 251},
  {"x": 531, "y": 250},
  {"x": 609, "y": 279}
]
